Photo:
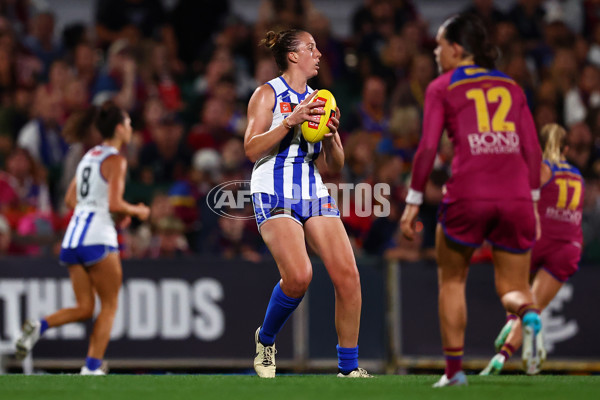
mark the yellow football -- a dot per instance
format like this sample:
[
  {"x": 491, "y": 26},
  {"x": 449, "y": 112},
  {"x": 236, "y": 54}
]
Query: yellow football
[{"x": 313, "y": 132}]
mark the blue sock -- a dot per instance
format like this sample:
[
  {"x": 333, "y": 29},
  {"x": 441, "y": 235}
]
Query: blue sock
[
  {"x": 532, "y": 318},
  {"x": 92, "y": 363},
  {"x": 44, "y": 326},
  {"x": 279, "y": 310},
  {"x": 347, "y": 359}
]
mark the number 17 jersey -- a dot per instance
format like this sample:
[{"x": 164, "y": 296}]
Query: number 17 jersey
[
  {"x": 91, "y": 223},
  {"x": 561, "y": 204}
]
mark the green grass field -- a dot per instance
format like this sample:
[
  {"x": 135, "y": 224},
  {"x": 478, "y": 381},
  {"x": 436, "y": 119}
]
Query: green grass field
[{"x": 290, "y": 387}]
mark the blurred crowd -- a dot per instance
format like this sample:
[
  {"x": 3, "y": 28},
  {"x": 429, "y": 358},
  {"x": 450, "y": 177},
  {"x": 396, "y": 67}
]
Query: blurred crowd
[{"x": 185, "y": 74}]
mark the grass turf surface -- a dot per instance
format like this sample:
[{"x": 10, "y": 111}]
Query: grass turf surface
[{"x": 290, "y": 387}]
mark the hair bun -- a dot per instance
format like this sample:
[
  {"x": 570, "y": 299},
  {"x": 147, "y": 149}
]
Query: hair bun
[{"x": 270, "y": 39}]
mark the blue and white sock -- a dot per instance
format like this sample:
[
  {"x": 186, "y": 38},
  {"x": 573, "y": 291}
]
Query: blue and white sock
[{"x": 279, "y": 310}]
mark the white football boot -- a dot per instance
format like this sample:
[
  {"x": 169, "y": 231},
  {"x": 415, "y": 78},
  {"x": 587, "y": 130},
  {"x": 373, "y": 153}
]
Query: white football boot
[
  {"x": 30, "y": 334},
  {"x": 356, "y": 373},
  {"x": 534, "y": 352},
  {"x": 459, "y": 379},
  {"x": 264, "y": 359},
  {"x": 96, "y": 372}
]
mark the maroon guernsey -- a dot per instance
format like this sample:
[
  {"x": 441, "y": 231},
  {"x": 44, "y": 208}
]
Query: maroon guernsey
[
  {"x": 561, "y": 204},
  {"x": 496, "y": 151}
]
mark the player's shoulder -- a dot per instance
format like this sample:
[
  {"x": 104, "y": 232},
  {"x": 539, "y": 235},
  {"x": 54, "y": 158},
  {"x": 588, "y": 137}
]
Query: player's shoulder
[
  {"x": 474, "y": 74},
  {"x": 563, "y": 167}
]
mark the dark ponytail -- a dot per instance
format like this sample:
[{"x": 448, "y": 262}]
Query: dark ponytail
[
  {"x": 468, "y": 31},
  {"x": 281, "y": 44},
  {"x": 78, "y": 125}
]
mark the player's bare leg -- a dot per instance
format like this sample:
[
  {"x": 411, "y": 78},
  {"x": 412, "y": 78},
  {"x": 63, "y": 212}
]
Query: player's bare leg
[
  {"x": 84, "y": 296},
  {"x": 328, "y": 237},
  {"x": 544, "y": 288},
  {"x": 512, "y": 285},
  {"x": 285, "y": 239},
  {"x": 106, "y": 277},
  {"x": 84, "y": 309},
  {"x": 453, "y": 267}
]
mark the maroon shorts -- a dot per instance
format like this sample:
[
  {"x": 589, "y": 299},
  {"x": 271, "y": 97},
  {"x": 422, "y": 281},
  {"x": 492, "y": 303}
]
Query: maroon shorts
[
  {"x": 559, "y": 259},
  {"x": 508, "y": 225}
]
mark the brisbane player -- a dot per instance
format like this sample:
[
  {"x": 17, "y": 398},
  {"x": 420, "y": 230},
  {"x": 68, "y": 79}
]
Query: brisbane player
[
  {"x": 555, "y": 257},
  {"x": 492, "y": 192},
  {"x": 291, "y": 203},
  {"x": 89, "y": 248}
]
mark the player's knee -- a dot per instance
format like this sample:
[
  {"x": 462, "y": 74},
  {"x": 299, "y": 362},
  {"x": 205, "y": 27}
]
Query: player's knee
[
  {"x": 347, "y": 282},
  {"x": 86, "y": 311},
  {"x": 297, "y": 284}
]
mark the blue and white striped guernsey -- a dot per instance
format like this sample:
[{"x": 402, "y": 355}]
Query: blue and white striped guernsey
[{"x": 289, "y": 170}]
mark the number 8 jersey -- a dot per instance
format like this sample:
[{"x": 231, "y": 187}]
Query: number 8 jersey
[{"x": 91, "y": 223}]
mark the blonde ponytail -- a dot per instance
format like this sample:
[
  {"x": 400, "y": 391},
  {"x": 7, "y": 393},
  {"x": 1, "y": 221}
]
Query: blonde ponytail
[{"x": 553, "y": 138}]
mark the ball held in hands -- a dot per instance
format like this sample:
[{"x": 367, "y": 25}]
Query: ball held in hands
[{"x": 314, "y": 132}]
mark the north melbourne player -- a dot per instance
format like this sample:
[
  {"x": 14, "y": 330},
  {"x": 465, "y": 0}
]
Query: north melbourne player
[
  {"x": 89, "y": 249},
  {"x": 291, "y": 203}
]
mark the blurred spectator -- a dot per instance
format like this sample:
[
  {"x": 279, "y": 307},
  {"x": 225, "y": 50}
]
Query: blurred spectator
[
  {"x": 584, "y": 96},
  {"x": 133, "y": 20},
  {"x": 154, "y": 111},
  {"x": 487, "y": 12},
  {"x": 168, "y": 240},
  {"x": 279, "y": 15},
  {"x": 13, "y": 116},
  {"x": 119, "y": 81},
  {"x": 528, "y": 17},
  {"x": 17, "y": 14},
  {"x": 5, "y": 236},
  {"x": 160, "y": 78},
  {"x": 41, "y": 40},
  {"x": 160, "y": 208},
  {"x": 85, "y": 61},
  {"x": 41, "y": 136},
  {"x": 166, "y": 159},
  {"x": 237, "y": 238},
  {"x": 411, "y": 92},
  {"x": 23, "y": 189},
  {"x": 212, "y": 130},
  {"x": 580, "y": 152},
  {"x": 194, "y": 23},
  {"x": 371, "y": 115}
]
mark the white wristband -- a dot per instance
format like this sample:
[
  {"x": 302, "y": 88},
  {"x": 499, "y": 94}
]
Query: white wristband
[
  {"x": 414, "y": 197},
  {"x": 535, "y": 194}
]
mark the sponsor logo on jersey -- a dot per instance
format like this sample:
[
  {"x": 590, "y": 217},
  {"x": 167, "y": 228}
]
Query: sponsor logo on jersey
[
  {"x": 285, "y": 107},
  {"x": 564, "y": 215},
  {"x": 494, "y": 143}
]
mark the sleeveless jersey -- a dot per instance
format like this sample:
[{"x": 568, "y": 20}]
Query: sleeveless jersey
[
  {"x": 289, "y": 170},
  {"x": 91, "y": 223},
  {"x": 561, "y": 204}
]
